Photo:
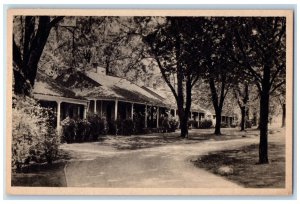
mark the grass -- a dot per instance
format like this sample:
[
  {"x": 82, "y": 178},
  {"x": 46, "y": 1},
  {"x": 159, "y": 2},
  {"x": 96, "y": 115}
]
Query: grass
[
  {"x": 135, "y": 142},
  {"x": 42, "y": 174},
  {"x": 246, "y": 171}
]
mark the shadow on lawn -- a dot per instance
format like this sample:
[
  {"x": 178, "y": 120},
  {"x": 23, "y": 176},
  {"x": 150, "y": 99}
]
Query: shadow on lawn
[
  {"x": 42, "y": 175},
  {"x": 159, "y": 139},
  {"x": 243, "y": 168}
]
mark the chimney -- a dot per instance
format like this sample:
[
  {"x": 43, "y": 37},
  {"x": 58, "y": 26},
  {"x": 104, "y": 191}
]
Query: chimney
[
  {"x": 95, "y": 65},
  {"x": 154, "y": 86}
]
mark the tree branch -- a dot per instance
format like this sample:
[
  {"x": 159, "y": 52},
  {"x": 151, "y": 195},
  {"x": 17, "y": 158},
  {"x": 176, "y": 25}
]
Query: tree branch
[
  {"x": 277, "y": 86},
  {"x": 276, "y": 73},
  {"x": 248, "y": 66},
  {"x": 17, "y": 55},
  {"x": 55, "y": 21}
]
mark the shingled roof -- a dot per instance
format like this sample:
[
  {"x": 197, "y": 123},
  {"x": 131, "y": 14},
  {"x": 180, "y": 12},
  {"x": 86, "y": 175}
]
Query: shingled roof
[
  {"x": 98, "y": 85},
  {"x": 45, "y": 85},
  {"x": 123, "y": 89}
]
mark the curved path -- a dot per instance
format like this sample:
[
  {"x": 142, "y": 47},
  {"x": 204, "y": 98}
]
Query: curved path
[{"x": 98, "y": 165}]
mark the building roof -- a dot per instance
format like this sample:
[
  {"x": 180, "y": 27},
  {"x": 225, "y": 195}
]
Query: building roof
[
  {"x": 76, "y": 80},
  {"x": 120, "y": 88},
  {"x": 45, "y": 85},
  {"x": 168, "y": 98},
  {"x": 94, "y": 85}
]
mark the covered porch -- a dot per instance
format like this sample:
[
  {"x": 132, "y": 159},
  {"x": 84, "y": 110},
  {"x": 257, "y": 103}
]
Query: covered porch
[
  {"x": 196, "y": 117},
  {"x": 149, "y": 115},
  {"x": 63, "y": 107}
]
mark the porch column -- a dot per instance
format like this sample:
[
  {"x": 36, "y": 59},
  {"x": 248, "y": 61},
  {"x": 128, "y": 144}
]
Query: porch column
[
  {"x": 84, "y": 112},
  {"x": 58, "y": 116},
  {"x": 198, "y": 119},
  {"x": 132, "y": 111},
  {"x": 95, "y": 106},
  {"x": 157, "y": 117},
  {"x": 116, "y": 109},
  {"x": 145, "y": 115}
]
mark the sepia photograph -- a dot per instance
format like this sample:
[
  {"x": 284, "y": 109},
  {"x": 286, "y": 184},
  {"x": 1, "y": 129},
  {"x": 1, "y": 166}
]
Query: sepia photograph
[{"x": 149, "y": 102}]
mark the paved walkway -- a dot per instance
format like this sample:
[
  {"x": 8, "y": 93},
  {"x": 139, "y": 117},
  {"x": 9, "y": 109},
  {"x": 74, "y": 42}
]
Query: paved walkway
[{"x": 98, "y": 165}]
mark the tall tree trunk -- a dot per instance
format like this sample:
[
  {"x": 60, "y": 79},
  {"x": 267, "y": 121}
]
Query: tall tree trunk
[
  {"x": 33, "y": 47},
  {"x": 188, "y": 102},
  {"x": 264, "y": 116},
  {"x": 218, "y": 105},
  {"x": 263, "y": 125},
  {"x": 218, "y": 121},
  {"x": 243, "y": 115},
  {"x": 283, "y": 115},
  {"x": 184, "y": 126},
  {"x": 180, "y": 76},
  {"x": 21, "y": 87},
  {"x": 181, "y": 111},
  {"x": 254, "y": 119}
]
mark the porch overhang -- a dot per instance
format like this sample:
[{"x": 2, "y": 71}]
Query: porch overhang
[{"x": 47, "y": 97}]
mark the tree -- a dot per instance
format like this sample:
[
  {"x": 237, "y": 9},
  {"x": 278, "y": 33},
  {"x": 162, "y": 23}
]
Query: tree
[
  {"x": 278, "y": 98},
  {"x": 27, "y": 52},
  {"x": 282, "y": 102},
  {"x": 220, "y": 73},
  {"x": 241, "y": 92},
  {"x": 176, "y": 47},
  {"x": 259, "y": 45}
]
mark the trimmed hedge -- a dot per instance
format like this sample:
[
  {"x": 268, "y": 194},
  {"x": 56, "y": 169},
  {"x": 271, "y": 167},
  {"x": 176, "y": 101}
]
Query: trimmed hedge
[
  {"x": 192, "y": 123},
  {"x": 224, "y": 125},
  {"x": 205, "y": 124},
  {"x": 93, "y": 127},
  {"x": 248, "y": 124},
  {"x": 83, "y": 130}
]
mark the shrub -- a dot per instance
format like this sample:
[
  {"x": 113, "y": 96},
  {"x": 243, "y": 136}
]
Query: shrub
[
  {"x": 173, "y": 124},
  {"x": 224, "y": 125},
  {"x": 122, "y": 127},
  {"x": 233, "y": 125},
  {"x": 139, "y": 123},
  {"x": 33, "y": 137},
  {"x": 68, "y": 130},
  {"x": 114, "y": 127},
  {"x": 193, "y": 124},
  {"x": 248, "y": 124},
  {"x": 165, "y": 124},
  {"x": 83, "y": 129},
  {"x": 98, "y": 126},
  {"x": 127, "y": 127},
  {"x": 50, "y": 146},
  {"x": 205, "y": 124}
]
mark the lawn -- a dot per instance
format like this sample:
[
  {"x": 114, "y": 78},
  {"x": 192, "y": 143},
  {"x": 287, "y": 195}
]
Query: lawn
[
  {"x": 41, "y": 175},
  {"x": 158, "y": 139},
  {"x": 242, "y": 167}
]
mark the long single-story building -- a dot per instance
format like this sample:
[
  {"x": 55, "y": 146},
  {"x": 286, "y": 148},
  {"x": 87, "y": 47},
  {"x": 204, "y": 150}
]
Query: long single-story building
[
  {"x": 77, "y": 94},
  {"x": 116, "y": 98}
]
